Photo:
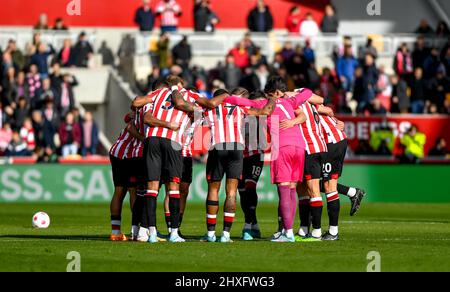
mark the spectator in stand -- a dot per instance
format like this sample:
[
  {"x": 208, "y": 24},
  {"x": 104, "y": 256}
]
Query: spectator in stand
[
  {"x": 44, "y": 131},
  {"x": 6, "y": 134},
  {"x": 260, "y": 18},
  {"x": 330, "y": 22},
  {"x": 418, "y": 88},
  {"x": 82, "y": 51},
  {"x": 371, "y": 74},
  {"x": 403, "y": 65},
  {"x": 17, "y": 147},
  {"x": 70, "y": 135},
  {"x": 345, "y": 67},
  {"x": 308, "y": 53},
  {"x": 41, "y": 58},
  {"x": 439, "y": 89},
  {"x": 287, "y": 52},
  {"x": 107, "y": 54},
  {"x": 16, "y": 55},
  {"x": 368, "y": 49},
  {"x": 231, "y": 72},
  {"x": 442, "y": 29},
  {"x": 3, "y": 116},
  {"x": 46, "y": 92},
  {"x": 181, "y": 53},
  {"x": 59, "y": 25},
  {"x": 424, "y": 28},
  {"x": 399, "y": 97},
  {"x": 293, "y": 20},
  {"x": 90, "y": 139},
  {"x": 42, "y": 23},
  {"x": 384, "y": 88},
  {"x": 34, "y": 84},
  {"x": 445, "y": 58},
  {"x": 56, "y": 77},
  {"x": 439, "y": 149},
  {"x": 169, "y": 11},
  {"x": 309, "y": 27},
  {"x": 50, "y": 114},
  {"x": 432, "y": 64},
  {"x": 8, "y": 86},
  {"x": 21, "y": 112},
  {"x": 21, "y": 86},
  {"x": 66, "y": 100},
  {"x": 420, "y": 53},
  {"x": 414, "y": 143},
  {"x": 144, "y": 17},
  {"x": 163, "y": 52},
  {"x": 152, "y": 78},
  {"x": 205, "y": 20},
  {"x": 241, "y": 56},
  {"x": 27, "y": 134},
  {"x": 66, "y": 54},
  {"x": 360, "y": 90}
]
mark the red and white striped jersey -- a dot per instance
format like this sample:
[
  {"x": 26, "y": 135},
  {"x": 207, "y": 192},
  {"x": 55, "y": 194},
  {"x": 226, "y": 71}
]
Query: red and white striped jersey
[
  {"x": 186, "y": 150},
  {"x": 163, "y": 109},
  {"x": 256, "y": 136},
  {"x": 28, "y": 136},
  {"x": 226, "y": 122},
  {"x": 138, "y": 145},
  {"x": 169, "y": 16},
  {"x": 312, "y": 131},
  {"x": 331, "y": 133},
  {"x": 124, "y": 145}
]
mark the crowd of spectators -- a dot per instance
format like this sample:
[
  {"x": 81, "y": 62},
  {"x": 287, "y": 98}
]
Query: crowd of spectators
[{"x": 38, "y": 113}]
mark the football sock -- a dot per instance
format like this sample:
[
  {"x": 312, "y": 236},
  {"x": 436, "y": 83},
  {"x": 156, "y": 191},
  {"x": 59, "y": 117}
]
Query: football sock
[
  {"x": 152, "y": 230},
  {"x": 280, "y": 219},
  {"x": 247, "y": 226},
  {"x": 333, "y": 208},
  {"x": 174, "y": 206},
  {"x": 181, "y": 218},
  {"x": 136, "y": 215},
  {"x": 316, "y": 213},
  {"x": 346, "y": 191},
  {"x": 212, "y": 208},
  {"x": 226, "y": 234},
  {"x": 252, "y": 204},
  {"x": 284, "y": 193},
  {"x": 228, "y": 219},
  {"x": 305, "y": 215},
  {"x": 168, "y": 219},
  {"x": 245, "y": 205},
  {"x": 334, "y": 230},
  {"x": 115, "y": 224},
  {"x": 293, "y": 203},
  {"x": 255, "y": 227},
  {"x": 151, "y": 203},
  {"x": 303, "y": 231}
]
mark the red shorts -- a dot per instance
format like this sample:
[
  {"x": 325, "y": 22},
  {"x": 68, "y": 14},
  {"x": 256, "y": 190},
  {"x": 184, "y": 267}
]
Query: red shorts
[{"x": 289, "y": 165}]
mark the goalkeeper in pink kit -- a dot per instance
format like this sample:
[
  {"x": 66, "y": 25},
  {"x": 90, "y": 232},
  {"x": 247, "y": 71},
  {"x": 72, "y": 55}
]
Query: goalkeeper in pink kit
[{"x": 288, "y": 147}]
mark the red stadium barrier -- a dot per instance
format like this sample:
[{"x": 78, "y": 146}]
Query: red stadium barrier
[
  {"x": 119, "y": 13},
  {"x": 360, "y": 128}
]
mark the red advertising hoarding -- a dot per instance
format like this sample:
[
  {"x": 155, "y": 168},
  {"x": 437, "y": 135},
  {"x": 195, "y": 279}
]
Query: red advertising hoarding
[{"x": 359, "y": 128}]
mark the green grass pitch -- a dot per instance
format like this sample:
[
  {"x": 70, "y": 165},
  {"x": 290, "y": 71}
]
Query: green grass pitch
[{"x": 409, "y": 237}]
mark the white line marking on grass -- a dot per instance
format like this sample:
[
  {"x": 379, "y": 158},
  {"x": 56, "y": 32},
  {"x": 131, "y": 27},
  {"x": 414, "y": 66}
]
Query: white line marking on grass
[{"x": 394, "y": 222}]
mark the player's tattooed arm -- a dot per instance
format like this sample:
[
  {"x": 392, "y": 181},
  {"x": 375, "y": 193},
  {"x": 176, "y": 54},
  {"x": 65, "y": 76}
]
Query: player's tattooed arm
[
  {"x": 131, "y": 128},
  {"x": 180, "y": 103},
  {"x": 267, "y": 110},
  {"x": 300, "y": 118},
  {"x": 150, "y": 120}
]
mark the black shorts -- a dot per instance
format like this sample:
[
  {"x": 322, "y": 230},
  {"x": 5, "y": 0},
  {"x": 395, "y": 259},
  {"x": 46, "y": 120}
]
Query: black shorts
[
  {"x": 334, "y": 164},
  {"x": 164, "y": 162},
  {"x": 313, "y": 165},
  {"x": 221, "y": 162},
  {"x": 252, "y": 170},
  {"x": 186, "y": 176},
  {"x": 122, "y": 174}
]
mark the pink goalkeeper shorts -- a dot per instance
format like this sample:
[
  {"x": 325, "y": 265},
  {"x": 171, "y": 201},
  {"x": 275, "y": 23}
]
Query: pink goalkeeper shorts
[{"x": 289, "y": 165}]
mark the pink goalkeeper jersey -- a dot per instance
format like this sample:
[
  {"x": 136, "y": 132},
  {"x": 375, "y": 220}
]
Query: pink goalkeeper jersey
[{"x": 284, "y": 110}]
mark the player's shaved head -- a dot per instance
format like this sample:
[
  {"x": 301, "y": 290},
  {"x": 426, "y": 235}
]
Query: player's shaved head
[
  {"x": 174, "y": 80},
  {"x": 240, "y": 91}
]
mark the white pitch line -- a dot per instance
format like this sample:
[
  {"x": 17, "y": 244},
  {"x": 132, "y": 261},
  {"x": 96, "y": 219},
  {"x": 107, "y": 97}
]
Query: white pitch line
[{"x": 394, "y": 222}]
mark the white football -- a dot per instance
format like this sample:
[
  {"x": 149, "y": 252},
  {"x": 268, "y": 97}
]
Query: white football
[{"x": 41, "y": 220}]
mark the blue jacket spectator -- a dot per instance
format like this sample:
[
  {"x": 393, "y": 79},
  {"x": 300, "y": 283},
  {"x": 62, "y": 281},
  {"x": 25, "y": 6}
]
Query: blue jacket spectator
[
  {"x": 345, "y": 68},
  {"x": 40, "y": 59},
  {"x": 144, "y": 17}
]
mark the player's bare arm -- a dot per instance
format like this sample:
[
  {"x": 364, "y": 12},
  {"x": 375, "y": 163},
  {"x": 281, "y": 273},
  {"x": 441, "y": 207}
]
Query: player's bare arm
[
  {"x": 315, "y": 99},
  {"x": 150, "y": 120},
  {"x": 267, "y": 110},
  {"x": 300, "y": 118},
  {"x": 131, "y": 128},
  {"x": 211, "y": 103},
  {"x": 325, "y": 110},
  {"x": 141, "y": 101}
]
